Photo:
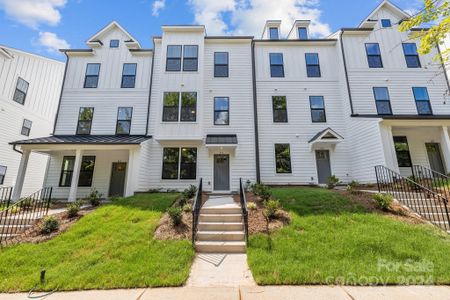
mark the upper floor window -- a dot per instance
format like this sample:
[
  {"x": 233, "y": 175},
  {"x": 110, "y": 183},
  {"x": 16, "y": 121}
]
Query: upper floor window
[
  {"x": 312, "y": 64},
  {"x": 188, "y": 107},
  {"x": 128, "y": 75},
  {"x": 374, "y": 55},
  {"x": 173, "y": 62},
  {"x": 302, "y": 33},
  {"x": 273, "y": 33},
  {"x": 92, "y": 73},
  {"x": 386, "y": 23},
  {"x": 21, "y": 91},
  {"x": 171, "y": 107},
  {"x": 422, "y": 101},
  {"x": 221, "y": 111},
  {"x": 85, "y": 120},
  {"x": 114, "y": 44},
  {"x": 220, "y": 64},
  {"x": 179, "y": 163},
  {"x": 382, "y": 100},
  {"x": 411, "y": 55},
  {"x": 317, "y": 105},
  {"x": 124, "y": 115},
  {"x": 190, "y": 58},
  {"x": 26, "y": 127},
  {"x": 279, "y": 109},
  {"x": 2, "y": 174},
  {"x": 276, "y": 65},
  {"x": 283, "y": 158}
]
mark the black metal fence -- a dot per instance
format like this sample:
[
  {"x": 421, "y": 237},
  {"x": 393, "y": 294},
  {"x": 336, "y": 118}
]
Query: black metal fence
[
  {"x": 196, "y": 206},
  {"x": 5, "y": 197},
  {"x": 24, "y": 212},
  {"x": 418, "y": 197},
  {"x": 435, "y": 181},
  {"x": 243, "y": 200}
]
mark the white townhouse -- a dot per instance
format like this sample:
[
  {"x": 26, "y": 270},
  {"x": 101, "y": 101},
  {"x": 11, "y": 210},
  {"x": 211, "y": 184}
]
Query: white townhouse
[
  {"x": 30, "y": 86},
  {"x": 281, "y": 109}
]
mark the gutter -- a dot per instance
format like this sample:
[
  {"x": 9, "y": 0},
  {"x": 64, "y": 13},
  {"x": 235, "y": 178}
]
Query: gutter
[
  {"x": 346, "y": 72},
  {"x": 255, "y": 115},
  {"x": 61, "y": 93},
  {"x": 150, "y": 88},
  {"x": 15, "y": 149}
]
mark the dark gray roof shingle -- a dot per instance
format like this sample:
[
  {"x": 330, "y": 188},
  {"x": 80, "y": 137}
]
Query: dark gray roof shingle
[
  {"x": 221, "y": 139},
  {"x": 85, "y": 139}
]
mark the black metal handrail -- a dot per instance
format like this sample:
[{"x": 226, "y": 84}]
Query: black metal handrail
[
  {"x": 196, "y": 206},
  {"x": 5, "y": 197},
  {"x": 433, "y": 180},
  {"x": 24, "y": 211},
  {"x": 243, "y": 200},
  {"x": 424, "y": 201}
]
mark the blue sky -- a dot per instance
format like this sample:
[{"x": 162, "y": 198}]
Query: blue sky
[{"x": 43, "y": 26}]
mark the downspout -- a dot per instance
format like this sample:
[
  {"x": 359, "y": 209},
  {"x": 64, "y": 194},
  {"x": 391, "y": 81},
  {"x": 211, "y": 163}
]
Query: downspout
[
  {"x": 255, "y": 114},
  {"x": 61, "y": 93},
  {"x": 150, "y": 89},
  {"x": 346, "y": 72},
  {"x": 15, "y": 149}
]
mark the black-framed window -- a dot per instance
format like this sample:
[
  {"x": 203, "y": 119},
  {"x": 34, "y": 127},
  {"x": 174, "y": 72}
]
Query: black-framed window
[
  {"x": 273, "y": 33},
  {"x": 283, "y": 158},
  {"x": 114, "y": 44},
  {"x": 92, "y": 74},
  {"x": 124, "y": 116},
  {"x": 279, "y": 107},
  {"x": 188, "y": 163},
  {"x": 26, "y": 127},
  {"x": 411, "y": 55},
  {"x": 170, "y": 163},
  {"x": 374, "y": 55},
  {"x": 2, "y": 174},
  {"x": 312, "y": 64},
  {"x": 86, "y": 171},
  {"x": 128, "y": 75},
  {"x": 221, "y": 64},
  {"x": 276, "y": 65},
  {"x": 422, "y": 100},
  {"x": 85, "y": 117},
  {"x": 317, "y": 105},
  {"x": 386, "y": 23},
  {"x": 173, "y": 61},
  {"x": 382, "y": 100},
  {"x": 188, "y": 107},
  {"x": 221, "y": 111},
  {"x": 302, "y": 33},
  {"x": 170, "y": 106},
  {"x": 190, "y": 58},
  {"x": 21, "y": 90},
  {"x": 402, "y": 151},
  {"x": 68, "y": 164}
]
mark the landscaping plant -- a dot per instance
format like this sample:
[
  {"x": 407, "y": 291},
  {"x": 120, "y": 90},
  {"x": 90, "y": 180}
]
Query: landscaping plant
[
  {"x": 49, "y": 225},
  {"x": 73, "y": 209},
  {"x": 175, "y": 214},
  {"x": 352, "y": 187},
  {"x": 187, "y": 207},
  {"x": 384, "y": 201},
  {"x": 262, "y": 190},
  {"x": 271, "y": 207},
  {"x": 94, "y": 197},
  {"x": 189, "y": 193},
  {"x": 26, "y": 203},
  {"x": 332, "y": 181},
  {"x": 251, "y": 205}
]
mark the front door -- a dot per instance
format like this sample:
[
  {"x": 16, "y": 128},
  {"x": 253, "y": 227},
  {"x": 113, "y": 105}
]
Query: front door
[
  {"x": 221, "y": 172},
  {"x": 435, "y": 158},
  {"x": 323, "y": 165},
  {"x": 117, "y": 183}
]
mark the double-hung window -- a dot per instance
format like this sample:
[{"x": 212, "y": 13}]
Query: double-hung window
[
  {"x": 188, "y": 163},
  {"x": 279, "y": 109},
  {"x": 188, "y": 107},
  {"x": 382, "y": 100},
  {"x": 422, "y": 101},
  {"x": 302, "y": 33},
  {"x": 411, "y": 55},
  {"x": 128, "y": 75},
  {"x": 402, "y": 151},
  {"x": 124, "y": 115},
  {"x": 312, "y": 64},
  {"x": 273, "y": 33},
  {"x": 374, "y": 55},
  {"x": 86, "y": 171},
  {"x": 221, "y": 111},
  {"x": 283, "y": 158},
  {"x": 220, "y": 64},
  {"x": 85, "y": 117},
  {"x": 173, "y": 62},
  {"x": 317, "y": 104},
  {"x": 66, "y": 171},
  {"x": 276, "y": 65},
  {"x": 21, "y": 91},
  {"x": 179, "y": 163},
  {"x": 171, "y": 107},
  {"x": 26, "y": 127},
  {"x": 92, "y": 73},
  {"x": 2, "y": 174},
  {"x": 190, "y": 58}
]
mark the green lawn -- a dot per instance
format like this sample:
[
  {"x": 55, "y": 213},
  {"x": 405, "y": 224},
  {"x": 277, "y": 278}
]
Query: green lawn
[
  {"x": 333, "y": 241},
  {"x": 111, "y": 247}
]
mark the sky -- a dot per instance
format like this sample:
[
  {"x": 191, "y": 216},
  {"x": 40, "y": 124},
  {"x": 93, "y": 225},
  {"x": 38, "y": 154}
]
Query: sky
[{"x": 44, "y": 26}]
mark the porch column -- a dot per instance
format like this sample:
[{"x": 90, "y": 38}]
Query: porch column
[
  {"x": 129, "y": 186},
  {"x": 389, "y": 148},
  {"x": 445, "y": 147},
  {"x": 75, "y": 176},
  {"x": 21, "y": 175}
]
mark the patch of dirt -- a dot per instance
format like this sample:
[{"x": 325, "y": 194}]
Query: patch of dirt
[{"x": 167, "y": 231}]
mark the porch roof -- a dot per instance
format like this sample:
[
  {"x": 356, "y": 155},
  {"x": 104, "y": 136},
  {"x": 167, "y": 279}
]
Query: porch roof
[
  {"x": 221, "y": 139},
  {"x": 86, "y": 139},
  {"x": 326, "y": 134}
]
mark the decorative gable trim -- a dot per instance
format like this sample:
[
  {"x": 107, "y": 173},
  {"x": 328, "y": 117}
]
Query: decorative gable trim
[
  {"x": 95, "y": 41},
  {"x": 368, "y": 22}
]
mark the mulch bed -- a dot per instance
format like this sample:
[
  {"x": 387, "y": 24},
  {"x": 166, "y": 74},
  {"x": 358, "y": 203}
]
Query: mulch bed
[{"x": 167, "y": 231}]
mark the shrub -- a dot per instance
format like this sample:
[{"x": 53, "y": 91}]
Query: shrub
[
  {"x": 15, "y": 210},
  {"x": 175, "y": 214},
  {"x": 189, "y": 193},
  {"x": 261, "y": 190},
  {"x": 73, "y": 209},
  {"x": 352, "y": 187},
  {"x": 26, "y": 203},
  {"x": 94, "y": 197},
  {"x": 187, "y": 207},
  {"x": 49, "y": 225},
  {"x": 251, "y": 205},
  {"x": 271, "y": 207},
  {"x": 332, "y": 181},
  {"x": 384, "y": 201}
]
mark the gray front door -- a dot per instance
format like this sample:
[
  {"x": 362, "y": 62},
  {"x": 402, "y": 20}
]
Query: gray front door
[
  {"x": 221, "y": 172},
  {"x": 435, "y": 158},
  {"x": 117, "y": 183},
  {"x": 323, "y": 165}
]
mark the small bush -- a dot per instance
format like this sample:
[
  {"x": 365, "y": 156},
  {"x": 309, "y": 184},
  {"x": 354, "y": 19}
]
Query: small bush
[
  {"x": 384, "y": 201},
  {"x": 271, "y": 207},
  {"x": 187, "y": 207},
  {"x": 15, "y": 210},
  {"x": 94, "y": 197},
  {"x": 251, "y": 205},
  {"x": 26, "y": 203},
  {"x": 261, "y": 190},
  {"x": 189, "y": 193},
  {"x": 49, "y": 225},
  {"x": 73, "y": 209},
  {"x": 352, "y": 187},
  {"x": 332, "y": 181},
  {"x": 175, "y": 214}
]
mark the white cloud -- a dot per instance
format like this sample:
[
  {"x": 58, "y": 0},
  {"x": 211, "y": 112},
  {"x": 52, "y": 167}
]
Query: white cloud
[
  {"x": 34, "y": 12},
  {"x": 247, "y": 17},
  {"x": 52, "y": 42},
  {"x": 158, "y": 5}
]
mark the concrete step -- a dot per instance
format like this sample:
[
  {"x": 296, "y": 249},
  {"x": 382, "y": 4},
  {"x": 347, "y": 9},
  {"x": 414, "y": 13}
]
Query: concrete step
[
  {"x": 220, "y": 226},
  {"x": 220, "y": 218},
  {"x": 13, "y": 228},
  {"x": 220, "y": 247},
  {"x": 220, "y": 210},
  {"x": 220, "y": 236}
]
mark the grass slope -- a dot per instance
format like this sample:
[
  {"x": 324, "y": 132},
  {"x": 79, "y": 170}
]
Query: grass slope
[
  {"x": 111, "y": 247},
  {"x": 334, "y": 241}
]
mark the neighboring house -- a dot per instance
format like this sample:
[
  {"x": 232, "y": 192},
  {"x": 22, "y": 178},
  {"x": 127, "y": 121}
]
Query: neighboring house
[
  {"x": 292, "y": 110},
  {"x": 30, "y": 86}
]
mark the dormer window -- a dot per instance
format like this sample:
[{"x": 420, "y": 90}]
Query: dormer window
[
  {"x": 273, "y": 33},
  {"x": 114, "y": 44},
  {"x": 302, "y": 33},
  {"x": 386, "y": 23}
]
